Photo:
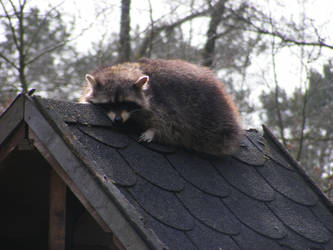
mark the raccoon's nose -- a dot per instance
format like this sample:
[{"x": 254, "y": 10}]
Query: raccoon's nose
[{"x": 118, "y": 120}]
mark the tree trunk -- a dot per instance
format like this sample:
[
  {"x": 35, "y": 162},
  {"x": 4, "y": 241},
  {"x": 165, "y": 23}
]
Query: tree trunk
[
  {"x": 217, "y": 12},
  {"x": 21, "y": 49},
  {"x": 124, "y": 41}
]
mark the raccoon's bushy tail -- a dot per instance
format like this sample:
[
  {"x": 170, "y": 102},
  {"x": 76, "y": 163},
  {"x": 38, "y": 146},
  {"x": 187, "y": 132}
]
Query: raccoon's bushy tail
[{"x": 225, "y": 143}]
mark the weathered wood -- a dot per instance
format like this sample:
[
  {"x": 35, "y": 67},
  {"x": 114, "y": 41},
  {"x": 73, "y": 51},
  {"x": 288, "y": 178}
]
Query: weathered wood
[
  {"x": 118, "y": 243},
  {"x": 72, "y": 186},
  {"x": 59, "y": 170},
  {"x": 110, "y": 209},
  {"x": 16, "y": 138},
  {"x": 110, "y": 213},
  {"x": 57, "y": 212},
  {"x": 11, "y": 118}
]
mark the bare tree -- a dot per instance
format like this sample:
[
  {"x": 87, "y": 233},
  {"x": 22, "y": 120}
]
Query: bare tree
[
  {"x": 24, "y": 49},
  {"x": 17, "y": 12},
  {"x": 155, "y": 29},
  {"x": 301, "y": 118},
  {"x": 264, "y": 24},
  {"x": 37, "y": 53}
]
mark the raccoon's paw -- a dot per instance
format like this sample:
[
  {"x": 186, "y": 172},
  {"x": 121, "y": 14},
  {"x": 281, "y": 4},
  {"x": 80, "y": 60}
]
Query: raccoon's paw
[{"x": 147, "y": 136}]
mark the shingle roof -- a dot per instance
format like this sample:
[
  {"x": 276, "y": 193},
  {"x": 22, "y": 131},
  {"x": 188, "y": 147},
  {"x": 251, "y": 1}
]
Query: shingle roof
[{"x": 258, "y": 198}]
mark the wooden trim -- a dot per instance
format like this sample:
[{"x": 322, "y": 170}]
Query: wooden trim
[
  {"x": 71, "y": 185},
  {"x": 12, "y": 141},
  {"x": 57, "y": 169},
  {"x": 117, "y": 243},
  {"x": 57, "y": 212},
  {"x": 103, "y": 201},
  {"x": 11, "y": 118}
]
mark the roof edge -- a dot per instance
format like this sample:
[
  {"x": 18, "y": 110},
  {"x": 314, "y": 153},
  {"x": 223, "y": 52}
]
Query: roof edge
[
  {"x": 269, "y": 135},
  {"x": 11, "y": 117},
  {"x": 117, "y": 199}
]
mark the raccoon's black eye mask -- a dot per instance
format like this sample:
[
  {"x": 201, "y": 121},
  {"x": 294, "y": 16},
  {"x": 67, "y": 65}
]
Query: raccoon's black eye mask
[{"x": 128, "y": 106}]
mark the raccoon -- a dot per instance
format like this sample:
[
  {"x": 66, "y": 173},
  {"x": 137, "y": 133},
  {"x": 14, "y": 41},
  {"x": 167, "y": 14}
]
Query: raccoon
[{"x": 174, "y": 102}]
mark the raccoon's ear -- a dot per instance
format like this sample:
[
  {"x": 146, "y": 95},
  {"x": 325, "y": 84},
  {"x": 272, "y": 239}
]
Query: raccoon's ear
[
  {"x": 91, "y": 80},
  {"x": 142, "y": 82}
]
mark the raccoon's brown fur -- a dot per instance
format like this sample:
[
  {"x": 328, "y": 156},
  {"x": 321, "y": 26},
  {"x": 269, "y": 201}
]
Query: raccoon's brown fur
[{"x": 173, "y": 101}]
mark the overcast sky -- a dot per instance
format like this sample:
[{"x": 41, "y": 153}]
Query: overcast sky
[
  {"x": 88, "y": 14},
  {"x": 321, "y": 11}
]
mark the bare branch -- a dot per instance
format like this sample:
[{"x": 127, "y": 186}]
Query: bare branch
[
  {"x": 10, "y": 23},
  {"x": 312, "y": 139},
  {"x": 303, "y": 123},
  {"x": 14, "y": 7},
  {"x": 21, "y": 48},
  {"x": 39, "y": 28},
  {"x": 48, "y": 50},
  {"x": 57, "y": 46},
  {"x": 319, "y": 43},
  {"x": 7, "y": 60},
  {"x": 283, "y": 37},
  {"x": 159, "y": 29},
  {"x": 151, "y": 27},
  {"x": 191, "y": 25},
  {"x": 276, "y": 97}
]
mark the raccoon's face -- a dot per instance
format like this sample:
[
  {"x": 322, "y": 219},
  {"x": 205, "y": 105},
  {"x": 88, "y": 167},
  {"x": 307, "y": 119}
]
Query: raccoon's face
[
  {"x": 120, "y": 99},
  {"x": 120, "y": 112}
]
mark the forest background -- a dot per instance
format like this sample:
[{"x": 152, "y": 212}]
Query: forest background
[{"x": 276, "y": 57}]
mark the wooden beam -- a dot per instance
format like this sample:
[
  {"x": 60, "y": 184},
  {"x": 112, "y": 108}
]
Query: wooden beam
[
  {"x": 118, "y": 243},
  {"x": 11, "y": 142},
  {"x": 57, "y": 170},
  {"x": 11, "y": 118},
  {"x": 57, "y": 212},
  {"x": 70, "y": 183}
]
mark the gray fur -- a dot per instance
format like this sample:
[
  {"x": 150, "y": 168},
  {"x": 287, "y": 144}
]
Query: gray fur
[{"x": 184, "y": 104}]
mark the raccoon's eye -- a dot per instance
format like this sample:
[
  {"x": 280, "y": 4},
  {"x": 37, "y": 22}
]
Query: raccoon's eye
[
  {"x": 130, "y": 106},
  {"x": 106, "y": 106}
]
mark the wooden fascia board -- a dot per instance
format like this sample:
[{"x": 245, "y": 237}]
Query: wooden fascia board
[{"x": 88, "y": 188}]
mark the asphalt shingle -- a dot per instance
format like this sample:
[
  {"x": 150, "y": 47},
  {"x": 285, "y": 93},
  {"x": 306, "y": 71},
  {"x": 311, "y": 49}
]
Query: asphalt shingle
[
  {"x": 245, "y": 178},
  {"x": 196, "y": 171},
  {"x": 255, "y": 199}
]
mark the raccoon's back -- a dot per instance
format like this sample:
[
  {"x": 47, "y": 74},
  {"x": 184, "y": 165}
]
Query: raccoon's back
[
  {"x": 191, "y": 107},
  {"x": 188, "y": 89}
]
